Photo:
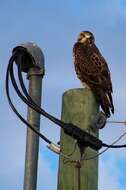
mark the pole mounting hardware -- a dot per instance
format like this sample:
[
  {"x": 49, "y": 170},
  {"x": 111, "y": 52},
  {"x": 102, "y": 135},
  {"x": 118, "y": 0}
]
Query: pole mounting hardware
[
  {"x": 99, "y": 121},
  {"x": 32, "y": 57},
  {"x": 83, "y": 138}
]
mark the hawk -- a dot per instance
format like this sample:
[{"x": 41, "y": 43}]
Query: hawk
[{"x": 92, "y": 70}]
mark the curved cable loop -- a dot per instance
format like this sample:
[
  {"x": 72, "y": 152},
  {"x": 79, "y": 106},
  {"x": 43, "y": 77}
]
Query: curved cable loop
[
  {"x": 108, "y": 146},
  {"x": 33, "y": 104},
  {"x": 10, "y": 65},
  {"x": 28, "y": 100}
]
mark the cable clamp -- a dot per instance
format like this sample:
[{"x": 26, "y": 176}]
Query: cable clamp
[
  {"x": 55, "y": 148},
  {"x": 35, "y": 71},
  {"x": 99, "y": 121}
]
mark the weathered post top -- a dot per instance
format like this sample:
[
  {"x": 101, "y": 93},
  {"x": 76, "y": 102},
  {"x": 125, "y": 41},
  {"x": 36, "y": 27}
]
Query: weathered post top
[{"x": 32, "y": 51}]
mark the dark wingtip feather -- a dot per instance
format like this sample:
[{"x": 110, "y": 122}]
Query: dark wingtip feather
[
  {"x": 112, "y": 110},
  {"x": 111, "y": 102},
  {"x": 106, "y": 103}
]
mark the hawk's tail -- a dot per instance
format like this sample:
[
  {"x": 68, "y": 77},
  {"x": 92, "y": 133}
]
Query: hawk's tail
[{"x": 106, "y": 103}]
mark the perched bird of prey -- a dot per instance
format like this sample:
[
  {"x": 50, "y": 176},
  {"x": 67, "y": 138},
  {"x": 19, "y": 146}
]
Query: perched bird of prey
[{"x": 92, "y": 70}]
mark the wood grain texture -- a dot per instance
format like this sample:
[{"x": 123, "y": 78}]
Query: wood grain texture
[{"x": 78, "y": 107}]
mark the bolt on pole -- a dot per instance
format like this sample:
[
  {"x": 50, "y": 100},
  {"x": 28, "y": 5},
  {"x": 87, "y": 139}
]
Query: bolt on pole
[{"x": 34, "y": 67}]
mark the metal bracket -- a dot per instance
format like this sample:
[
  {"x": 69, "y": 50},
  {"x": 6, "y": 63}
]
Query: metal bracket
[
  {"x": 33, "y": 57},
  {"x": 34, "y": 71},
  {"x": 83, "y": 138},
  {"x": 99, "y": 121}
]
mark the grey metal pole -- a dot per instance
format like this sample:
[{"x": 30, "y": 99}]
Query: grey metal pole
[
  {"x": 33, "y": 65},
  {"x": 32, "y": 144}
]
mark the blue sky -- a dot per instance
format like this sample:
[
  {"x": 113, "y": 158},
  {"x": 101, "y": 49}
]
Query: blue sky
[{"x": 54, "y": 26}]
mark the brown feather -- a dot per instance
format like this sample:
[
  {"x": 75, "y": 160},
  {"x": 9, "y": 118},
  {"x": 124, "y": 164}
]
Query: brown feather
[{"x": 92, "y": 69}]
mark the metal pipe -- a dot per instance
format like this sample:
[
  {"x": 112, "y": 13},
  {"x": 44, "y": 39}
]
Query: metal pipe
[
  {"x": 33, "y": 65},
  {"x": 32, "y": 144}
]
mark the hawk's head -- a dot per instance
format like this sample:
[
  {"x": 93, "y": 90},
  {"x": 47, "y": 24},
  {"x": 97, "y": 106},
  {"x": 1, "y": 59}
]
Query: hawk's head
[{"x": 86, "y": 37}]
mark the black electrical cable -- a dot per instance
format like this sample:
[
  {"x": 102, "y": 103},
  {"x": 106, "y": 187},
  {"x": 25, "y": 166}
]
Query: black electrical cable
[
  {"x": 33, "y": 104},
  {"x": 28, "y": 100},
  {"x": 13, "y": 107},
  {"x": 17, "y": 89},
  {"x": 42, "y": 111},
  {"x": 114, "y": 146}
]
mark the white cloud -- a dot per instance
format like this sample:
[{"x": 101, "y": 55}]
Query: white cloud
[
  {"x": 47, "y": 178},
  {"x": 106, "y": 13},
  {"x": 109, "y": 175}
]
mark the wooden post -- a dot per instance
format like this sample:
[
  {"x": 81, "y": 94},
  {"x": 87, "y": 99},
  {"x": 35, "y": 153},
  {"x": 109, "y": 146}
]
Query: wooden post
[{"x": 79, "y": 107}]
